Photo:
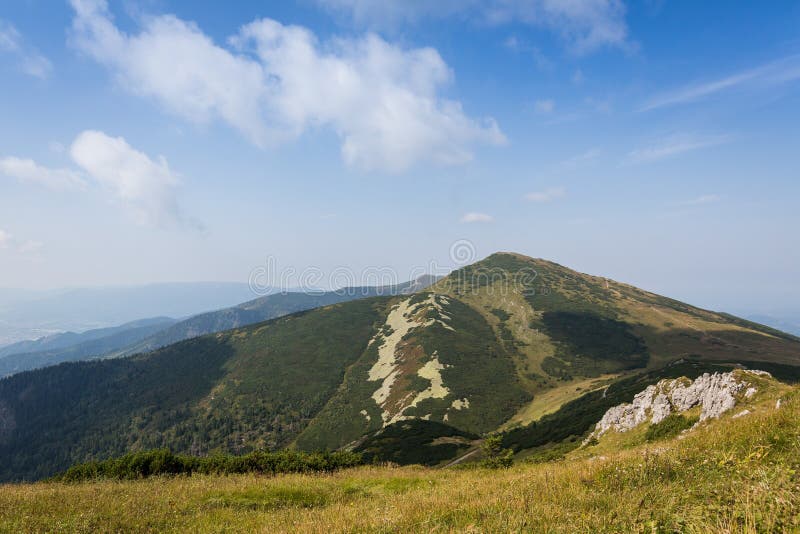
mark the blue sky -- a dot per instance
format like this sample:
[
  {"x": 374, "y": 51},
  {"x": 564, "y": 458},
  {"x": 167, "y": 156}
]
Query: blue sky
[{"x": 653, "y": 142}]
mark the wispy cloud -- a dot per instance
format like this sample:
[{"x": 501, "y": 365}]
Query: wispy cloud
[
  {"x": 544, "y": 107},
  {"x": 548, "y": 195},
  {"x": 583, "y": 25},
  {"x": 580, "y": 159},
  {"x": 775, "y": 72},
  {"x": 703, "y": 199},
  {"x": 10, "y": 242},
  {"x": 674, "y": 145},
  {"x": 475, "y": 217},
  {"x": 31, "y": 62}
]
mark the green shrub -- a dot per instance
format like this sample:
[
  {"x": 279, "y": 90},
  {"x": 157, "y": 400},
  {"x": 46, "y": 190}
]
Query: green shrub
[
  {"x": 161, "y": 462},
  {"x": 494, "y": 455},
  {"x": 670, "y": 426}
]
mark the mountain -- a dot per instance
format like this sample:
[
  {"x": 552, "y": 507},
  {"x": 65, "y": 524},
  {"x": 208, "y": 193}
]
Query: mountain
[
  {"x": 512, "y": 344},
  {"x": 70, "y": 346},
  {"x": 28, "y": 314},
  {"x": 147, "y": 335},
  {"x": 69, "y": 339},
  {"x": 263, "y": 309}
]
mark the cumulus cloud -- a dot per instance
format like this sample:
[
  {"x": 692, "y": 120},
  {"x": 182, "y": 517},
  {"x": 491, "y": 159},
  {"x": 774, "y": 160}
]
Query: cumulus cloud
[
  {"x": 674, "y": 145},
  {"x": 27, "y": 170},
  {"x": 584, "y": 25},
  {"x": 144, "y": 185},
  {"x": 30, "y": 61},
  {"x": 548, "y": 195},
  {"x": 274, "y": 82},
  {"x": 475, "y": 217}
]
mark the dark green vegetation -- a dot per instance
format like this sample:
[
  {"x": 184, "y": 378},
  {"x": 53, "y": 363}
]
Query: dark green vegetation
[
  {"x": 162, "y": 462},
  {"x": 669, "y": 427},
  {"x": 590, "y": 345},
  {"x": 478, "y": 346},
  {"x": 235, "y": 392},
  {"x": 415, "y": 442}
]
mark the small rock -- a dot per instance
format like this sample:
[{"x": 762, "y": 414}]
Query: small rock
[{"x": 741, "y": 414}]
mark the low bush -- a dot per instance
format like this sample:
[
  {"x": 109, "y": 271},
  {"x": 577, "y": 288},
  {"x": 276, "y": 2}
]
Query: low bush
[
  {"x": 670, "y": 426},
  {"x": 161, "y": 462}
]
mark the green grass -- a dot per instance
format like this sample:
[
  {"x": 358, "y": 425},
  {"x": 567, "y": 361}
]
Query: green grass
[{"x": 728, "y": 476}]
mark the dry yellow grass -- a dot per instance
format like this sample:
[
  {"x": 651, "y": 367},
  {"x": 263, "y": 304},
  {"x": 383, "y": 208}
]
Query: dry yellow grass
[{"x": 730, "y": 476}]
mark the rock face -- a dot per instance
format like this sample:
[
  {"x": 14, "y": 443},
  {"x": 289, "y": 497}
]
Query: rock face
[{"x": 714, "y": 393}]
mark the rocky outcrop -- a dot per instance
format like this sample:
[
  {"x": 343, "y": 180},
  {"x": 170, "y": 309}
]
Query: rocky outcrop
[{"x": 714, "y": 393}]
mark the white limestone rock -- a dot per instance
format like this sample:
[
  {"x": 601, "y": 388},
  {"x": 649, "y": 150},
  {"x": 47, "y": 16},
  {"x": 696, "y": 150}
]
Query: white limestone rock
[{"x": 714, "y": 393}]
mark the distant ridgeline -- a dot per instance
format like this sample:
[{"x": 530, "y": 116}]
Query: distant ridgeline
[{"x": 511, "y": 344}]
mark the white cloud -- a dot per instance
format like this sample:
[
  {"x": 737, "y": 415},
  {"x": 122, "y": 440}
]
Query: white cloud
[
  {"x": 26, "y": 170},
  {"x": 143, "y": 185},
  {"x": 277, "y": 82},
  {"x": 544, "y": 106},
  {"x": 703, "y": 199},
  {"x": 9, "y": 37},
  {"x": 36, "y": 65},
  {"x": 548, "y": 195},
  {"x": 776, "y": 72},
  {"x": 147, "y": 187},
  {"x": 31, "y": 62},
  {"x": 5, "y": 239},
  {"x": 674, "y": 145},
  {"x": 584, "y": 25},
  {"x": 474, "y": 217}
]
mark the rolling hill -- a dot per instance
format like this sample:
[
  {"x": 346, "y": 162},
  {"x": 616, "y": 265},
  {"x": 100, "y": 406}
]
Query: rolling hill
[{"x": 511, "y": 343}]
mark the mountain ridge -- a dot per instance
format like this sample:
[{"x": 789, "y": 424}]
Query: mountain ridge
[{"x": 469, "y": 355}]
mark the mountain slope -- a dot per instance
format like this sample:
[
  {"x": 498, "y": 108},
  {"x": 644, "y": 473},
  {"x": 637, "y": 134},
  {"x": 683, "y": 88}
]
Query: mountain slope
[
  {"x": 737, "y": 474},
  {"x": 494, "y": 345}
]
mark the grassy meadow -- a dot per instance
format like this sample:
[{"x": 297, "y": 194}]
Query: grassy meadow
[{"x": 732, "y": 475}]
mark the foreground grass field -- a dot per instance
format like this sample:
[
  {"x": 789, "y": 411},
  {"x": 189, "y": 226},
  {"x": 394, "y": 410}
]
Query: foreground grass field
[{"x": 733, "y": 475}]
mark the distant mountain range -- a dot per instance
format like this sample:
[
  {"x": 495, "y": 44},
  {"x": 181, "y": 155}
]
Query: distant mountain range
[
  {"x": 511, "y": 344},
  {"x": 58, "y": 348},
  {"x": 28, "y": 315}
]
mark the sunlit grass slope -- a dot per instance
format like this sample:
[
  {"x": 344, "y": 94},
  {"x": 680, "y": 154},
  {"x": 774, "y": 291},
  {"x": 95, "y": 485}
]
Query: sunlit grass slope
[{"x": 732, "y": 475}]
